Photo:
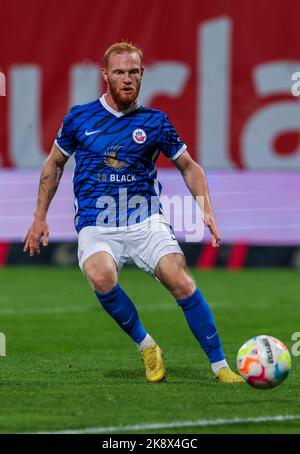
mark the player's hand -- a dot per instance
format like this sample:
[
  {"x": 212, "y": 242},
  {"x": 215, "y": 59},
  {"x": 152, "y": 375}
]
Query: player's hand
[
  {"x": 39, "y": 229},
  {"x": 209, "y": 221}
]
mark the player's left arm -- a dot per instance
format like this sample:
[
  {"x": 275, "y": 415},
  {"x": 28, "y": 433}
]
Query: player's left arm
[{"x": 195, "y": 179}]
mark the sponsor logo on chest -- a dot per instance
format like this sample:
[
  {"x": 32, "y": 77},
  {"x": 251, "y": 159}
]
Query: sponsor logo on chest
[{"x": 116, "y": 178}]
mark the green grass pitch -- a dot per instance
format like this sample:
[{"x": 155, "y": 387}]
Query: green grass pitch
[{"x": 69, "y": 366}]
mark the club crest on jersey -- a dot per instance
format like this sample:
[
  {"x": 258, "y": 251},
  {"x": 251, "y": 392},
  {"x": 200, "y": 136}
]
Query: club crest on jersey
[{"x": 139, "y": 136}]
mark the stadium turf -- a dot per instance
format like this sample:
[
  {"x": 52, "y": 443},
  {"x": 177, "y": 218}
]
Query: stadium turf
[{"x": 68, "y": 366}]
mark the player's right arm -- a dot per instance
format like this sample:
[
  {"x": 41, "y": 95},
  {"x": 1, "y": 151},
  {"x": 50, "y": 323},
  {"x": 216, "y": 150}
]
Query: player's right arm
[{"x": 49, "y": 181}]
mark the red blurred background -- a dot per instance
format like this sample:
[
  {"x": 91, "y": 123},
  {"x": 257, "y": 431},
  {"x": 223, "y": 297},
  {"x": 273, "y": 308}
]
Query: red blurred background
[{"x": 220, "y": 69}]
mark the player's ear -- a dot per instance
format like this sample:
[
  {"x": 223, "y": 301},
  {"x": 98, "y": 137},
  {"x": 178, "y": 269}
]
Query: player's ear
[
  {"x": 104, "y": 74},
  {"x": 142, "y": 71}
]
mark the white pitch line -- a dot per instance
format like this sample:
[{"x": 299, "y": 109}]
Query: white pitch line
[
  {"x": 42, "y": 310},
  {"x": 168, "y": 306},
  {"x": 75, "y": 309},
  {"x": 178, "y": 425}
]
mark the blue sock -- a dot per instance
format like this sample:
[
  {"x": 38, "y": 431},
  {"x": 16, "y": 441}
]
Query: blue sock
[
  {"x": 120, "y": 307},
  {"x": 200, "y": 319}
]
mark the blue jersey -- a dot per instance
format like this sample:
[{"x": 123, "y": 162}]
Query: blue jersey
[{"x": 115, "y": 178}]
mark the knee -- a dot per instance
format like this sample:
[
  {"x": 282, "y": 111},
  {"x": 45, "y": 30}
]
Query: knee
[
  {"x": 185, "y": 287},
  {"x": 181, "y": 286},
  {"x": 101, "y": 281}
]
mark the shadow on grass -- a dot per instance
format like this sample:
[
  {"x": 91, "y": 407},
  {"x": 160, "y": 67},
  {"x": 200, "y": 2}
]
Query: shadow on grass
[{"x": 188, "y": 374}]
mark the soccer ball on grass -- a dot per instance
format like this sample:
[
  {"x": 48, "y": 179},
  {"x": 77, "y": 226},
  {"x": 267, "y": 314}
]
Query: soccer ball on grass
[{"x": 264, "y": 362}]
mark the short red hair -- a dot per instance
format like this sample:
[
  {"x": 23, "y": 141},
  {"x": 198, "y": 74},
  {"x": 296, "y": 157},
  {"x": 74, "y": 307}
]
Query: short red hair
[{"x": 120, "y": 48}]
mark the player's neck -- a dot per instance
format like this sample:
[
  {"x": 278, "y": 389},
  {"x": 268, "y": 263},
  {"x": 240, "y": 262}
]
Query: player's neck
[{"x": 116, "y": 106}]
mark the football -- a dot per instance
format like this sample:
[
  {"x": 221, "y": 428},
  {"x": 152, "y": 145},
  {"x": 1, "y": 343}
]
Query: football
[{"x": 264, "y": 362}]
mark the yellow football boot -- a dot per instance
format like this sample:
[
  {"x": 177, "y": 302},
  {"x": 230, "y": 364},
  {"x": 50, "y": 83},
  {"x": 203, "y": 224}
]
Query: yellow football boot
[
  {"x": 226, "y": 375},
  {"x": 154, "y": 364}
]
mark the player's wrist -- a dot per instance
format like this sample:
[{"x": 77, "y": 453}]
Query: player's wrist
[
  {"x": 209, "y": 214},
  {"x": 40, "y": 217}
]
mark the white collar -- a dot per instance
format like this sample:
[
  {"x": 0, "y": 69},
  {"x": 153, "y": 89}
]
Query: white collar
[{"x": 115, "y": 112}]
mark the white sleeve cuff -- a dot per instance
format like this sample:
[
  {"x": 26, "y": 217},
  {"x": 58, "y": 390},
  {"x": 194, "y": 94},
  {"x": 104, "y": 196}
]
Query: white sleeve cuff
[
  {"x": 61, "y": 149},
  {"x": 179, "y": 152}
]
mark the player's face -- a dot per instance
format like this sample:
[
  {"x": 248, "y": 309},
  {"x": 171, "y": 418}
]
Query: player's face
[{"x": 123, "y": 76}]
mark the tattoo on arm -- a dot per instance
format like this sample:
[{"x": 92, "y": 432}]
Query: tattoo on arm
[
  {"x": 43, "y": 181},
  {"x": 49, "y": 190},
  {"x": 53, "y": 188}
]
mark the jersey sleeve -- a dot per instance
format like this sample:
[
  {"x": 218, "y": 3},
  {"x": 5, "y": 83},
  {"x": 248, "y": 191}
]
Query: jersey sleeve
[
  {"x": 65, "y": 139},
  {"x": 170, "y": 143}
]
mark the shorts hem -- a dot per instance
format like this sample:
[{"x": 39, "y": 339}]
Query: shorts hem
[
  {"x": 176, "y": 251},
  {"x": 82, "y": 262}
]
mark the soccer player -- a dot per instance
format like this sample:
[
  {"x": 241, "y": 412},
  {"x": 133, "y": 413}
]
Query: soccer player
[{"x": 116, "y": 143}]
